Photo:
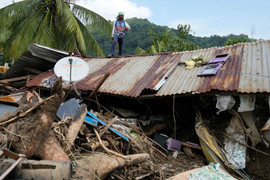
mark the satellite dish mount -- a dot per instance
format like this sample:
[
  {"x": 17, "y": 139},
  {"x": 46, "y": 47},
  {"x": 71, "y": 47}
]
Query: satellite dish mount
[{"x": 71, "y": 69}]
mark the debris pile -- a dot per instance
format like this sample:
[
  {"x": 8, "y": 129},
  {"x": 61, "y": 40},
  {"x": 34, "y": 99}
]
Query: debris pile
[{"x": 100, "y": 144}]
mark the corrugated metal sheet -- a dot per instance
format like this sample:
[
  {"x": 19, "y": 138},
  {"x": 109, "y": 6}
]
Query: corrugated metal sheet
[
  {"x": 128, "y": 76},
  {"x": 255, "y": 70},
  {"x": 246, "y": 71},
  {"x": 38, "y": 57}
]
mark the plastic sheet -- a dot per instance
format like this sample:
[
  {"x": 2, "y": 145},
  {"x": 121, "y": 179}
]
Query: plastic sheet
[
  {"x": 235, "y": 152},
  {"x": 224, "y": 103},
  {"x": 247, "y": 103},
  {"x": 212, "y": 171}
]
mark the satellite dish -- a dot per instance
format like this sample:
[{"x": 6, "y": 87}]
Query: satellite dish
[{"x": 79, "y": 68}]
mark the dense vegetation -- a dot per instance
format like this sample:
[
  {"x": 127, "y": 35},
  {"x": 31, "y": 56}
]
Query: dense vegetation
[{"x": 139, "y": 36}]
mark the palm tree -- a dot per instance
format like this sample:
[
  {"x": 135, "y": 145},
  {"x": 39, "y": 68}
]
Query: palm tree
[{"x": 55, "y": 23}]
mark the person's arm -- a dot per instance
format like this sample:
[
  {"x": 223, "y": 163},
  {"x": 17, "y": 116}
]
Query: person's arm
[{"x": 127, "y": 26}]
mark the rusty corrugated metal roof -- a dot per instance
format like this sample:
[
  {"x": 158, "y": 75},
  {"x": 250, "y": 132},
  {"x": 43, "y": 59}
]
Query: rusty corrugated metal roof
[
  {"x": 129, "y": 76},
  {"x": 246, "y": 71}
]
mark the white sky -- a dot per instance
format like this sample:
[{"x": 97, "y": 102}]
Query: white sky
[{"x": 206, "y": 17}]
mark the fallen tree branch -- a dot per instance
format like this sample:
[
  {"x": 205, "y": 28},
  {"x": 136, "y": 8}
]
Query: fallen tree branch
[
  {"x": 108, "y": 150},
  {"x": 107, "y": 126},
  {"x": 15, "y": 134},
  {"x": 143, "y": 176},
  {"x": 112, "y": 143}
]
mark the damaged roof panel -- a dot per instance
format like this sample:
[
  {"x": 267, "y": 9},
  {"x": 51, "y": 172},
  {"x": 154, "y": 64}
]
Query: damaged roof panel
[{"x": 38, "y": 58}]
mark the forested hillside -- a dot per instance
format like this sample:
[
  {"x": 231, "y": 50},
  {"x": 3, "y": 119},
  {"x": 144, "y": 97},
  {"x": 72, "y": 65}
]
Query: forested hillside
[{"x": 138, "y": 36}]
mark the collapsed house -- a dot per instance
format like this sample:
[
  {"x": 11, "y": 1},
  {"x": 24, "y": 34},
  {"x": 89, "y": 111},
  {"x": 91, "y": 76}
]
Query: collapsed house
[{"x": 217, "y": 98}]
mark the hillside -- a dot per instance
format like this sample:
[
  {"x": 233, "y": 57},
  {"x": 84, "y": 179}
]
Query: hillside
[{"x": 138, "y": 36}]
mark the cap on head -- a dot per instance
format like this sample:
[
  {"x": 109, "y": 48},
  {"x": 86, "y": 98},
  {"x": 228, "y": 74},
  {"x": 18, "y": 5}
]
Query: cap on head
[{"x": 121, "y": 13}]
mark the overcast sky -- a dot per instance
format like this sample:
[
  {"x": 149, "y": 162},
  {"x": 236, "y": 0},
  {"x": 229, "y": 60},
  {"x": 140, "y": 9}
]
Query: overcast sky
[{"x": 206, "y": 17}]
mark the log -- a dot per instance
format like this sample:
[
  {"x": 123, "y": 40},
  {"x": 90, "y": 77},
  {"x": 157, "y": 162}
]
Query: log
[
  {"x": 53, "y": 151},
  {"x": 76, "y": 125},
  {"x": 102, "y": 164}
]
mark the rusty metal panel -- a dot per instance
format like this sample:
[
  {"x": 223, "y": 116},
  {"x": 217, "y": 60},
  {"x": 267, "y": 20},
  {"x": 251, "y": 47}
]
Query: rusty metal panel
[
  {"x": 247, "y": 71},
  {"x": 183, "y": 80},
  {"x": 129, "y": 76},
  {"x": 255, "y": 73}
]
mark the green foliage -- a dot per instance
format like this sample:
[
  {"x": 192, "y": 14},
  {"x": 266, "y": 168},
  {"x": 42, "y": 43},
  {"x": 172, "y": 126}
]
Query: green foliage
[
  {"x": 163, "y": 42},
  {"x": 138, "y": 37},
  {"x": 53, "y": 23},
  {"x": 236, "y": 41}
]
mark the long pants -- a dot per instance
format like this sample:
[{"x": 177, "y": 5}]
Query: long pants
[{"x": 120, "y": 43}]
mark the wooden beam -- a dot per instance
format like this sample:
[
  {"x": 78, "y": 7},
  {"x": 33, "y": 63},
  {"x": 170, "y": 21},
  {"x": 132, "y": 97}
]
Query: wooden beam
[
  {"x": 33, "y": 70},
  {"x": 14, "y": 79},
  {"x": 99, "y": 85}
]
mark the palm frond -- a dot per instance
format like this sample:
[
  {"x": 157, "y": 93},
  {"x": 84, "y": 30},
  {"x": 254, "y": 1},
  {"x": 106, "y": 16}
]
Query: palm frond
[
  {"x": 70, "y": 44},
  {"x": 91, "y": 43},
  {"x": 45, "y": 35},
  {"x": 151, "y": 50},
  {"x": 139, "y": 51},
  {"x": 71, "y": 27},
  {"x": 88, "y": 17},
  {"x": 23, "y": 37}
]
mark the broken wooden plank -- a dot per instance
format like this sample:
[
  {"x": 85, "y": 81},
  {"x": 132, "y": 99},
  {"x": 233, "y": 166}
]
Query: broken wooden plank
[
  {"x": 75, "y": 125},
  {"x": 10, "y": 154},
  {"x": 107, "y": 126},
  {"x": 14, "y": 79},
  {"x": 191, "y": 146},
  {"x": 104, "y": 124},
  {"x": 99, "y": 85}
]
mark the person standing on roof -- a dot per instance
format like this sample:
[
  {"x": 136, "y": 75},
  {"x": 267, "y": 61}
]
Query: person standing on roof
[{"x": 118, "y": 33}]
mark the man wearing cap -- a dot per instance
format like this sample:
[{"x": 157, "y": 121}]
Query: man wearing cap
[{"x": 118, "y": 33}]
